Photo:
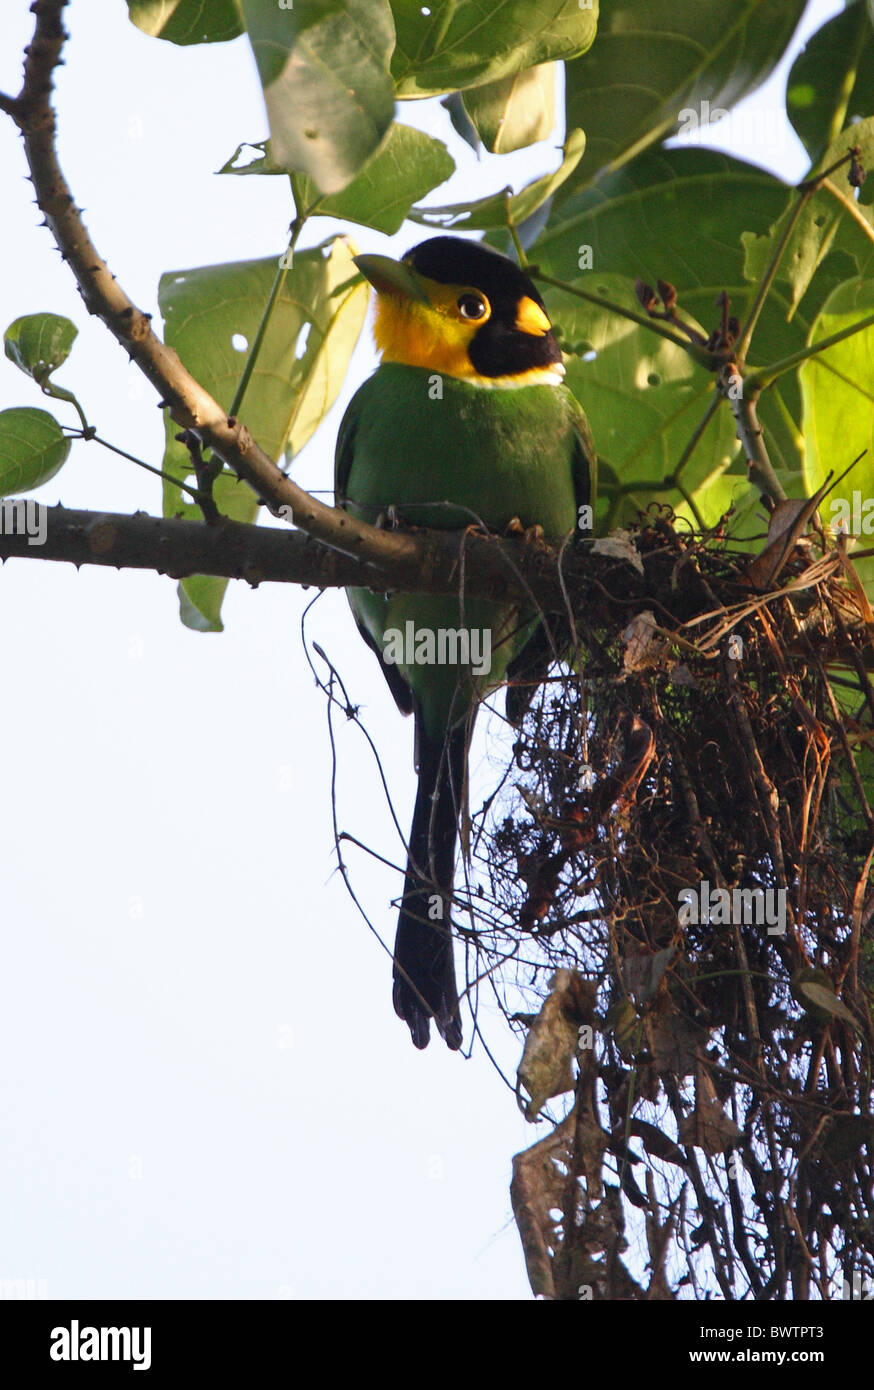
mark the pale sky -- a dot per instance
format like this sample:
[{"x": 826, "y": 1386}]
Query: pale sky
[{"x": 205, "y": 1091}]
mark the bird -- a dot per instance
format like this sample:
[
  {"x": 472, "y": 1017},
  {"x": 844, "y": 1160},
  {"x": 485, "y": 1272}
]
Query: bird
[{"x": 466, "y": 421}]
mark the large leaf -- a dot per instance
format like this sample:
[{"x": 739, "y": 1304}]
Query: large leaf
[
  {"x": 832, "y": 238},
  {"x": 838, "y": 392},
  {"x": 32, "y": 449},
  {"x": 515, "y": 111},
  {"x": 832, "y": 79},
  {"x": 39, "y": 344},
  {"x": 497, "y": 208},
  {"x": 324, "y": 70},
  {"x": 658, "y": 59},
  {"x": 679, "y": 215},
  {"x": 211, "y": 317},
  {"x": 408, "y": 166},
  {"x": 186, "y": 21},
  {"x": 644, "y": 397},
  {"x": 464, "y": 43}
]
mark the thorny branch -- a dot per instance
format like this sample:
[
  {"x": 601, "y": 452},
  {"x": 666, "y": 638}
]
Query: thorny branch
[{"x": 385, "y": 558}]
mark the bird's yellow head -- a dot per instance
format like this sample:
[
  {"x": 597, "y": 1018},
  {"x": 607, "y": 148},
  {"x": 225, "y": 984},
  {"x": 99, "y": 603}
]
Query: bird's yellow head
[{"x": 456, "y": 307}]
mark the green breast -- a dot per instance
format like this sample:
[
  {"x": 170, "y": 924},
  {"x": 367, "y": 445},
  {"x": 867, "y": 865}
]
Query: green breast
[
  {"x": 446, "y": 454},
  {"x": 494, "y": 453}
]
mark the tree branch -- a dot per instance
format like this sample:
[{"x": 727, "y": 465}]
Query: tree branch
[
  {"x": 436, "y": 562},
  {"x": 189, "y": 404}
]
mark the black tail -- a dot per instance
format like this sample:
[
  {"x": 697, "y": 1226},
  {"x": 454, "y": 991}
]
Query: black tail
[{"x": 424, "y": 970}]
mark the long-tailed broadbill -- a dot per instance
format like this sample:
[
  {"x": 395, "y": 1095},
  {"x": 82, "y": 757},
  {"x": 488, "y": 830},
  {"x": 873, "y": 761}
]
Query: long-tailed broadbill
[{"x": 466, "y": 421}]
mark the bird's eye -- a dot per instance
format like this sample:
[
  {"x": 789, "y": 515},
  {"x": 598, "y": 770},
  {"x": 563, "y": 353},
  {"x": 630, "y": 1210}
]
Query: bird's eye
[{"x": 471, "y": 306}]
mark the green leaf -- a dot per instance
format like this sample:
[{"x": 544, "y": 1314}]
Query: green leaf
[
  {"x": 409, "y": 165},
  {"x": 498, "y": 209},
  {"x": 462, "y": 43},
  {"x": 186, "y": 21},
  {"x": 636, "y": 222},
  {"x": 315, "y": 324},
  {"x": 838, "y": 392},
  {"x": 815, "y": 992},
  {"x": 259, "y": 161},
  {"x": 39, "y": 344},
  {"x": 655, "y": 65},
  {"x": 644, "y": 397},
  {"x": 639, "y": 220},
  {"x": 324, "y": 70},
  {"x": 453, "y": 105},
  {"x": 515, "y": 111},
  {"x": 832, "y": 80},
  {"x": 32, "y": 449},
  {"x": 833, "y": 237}
]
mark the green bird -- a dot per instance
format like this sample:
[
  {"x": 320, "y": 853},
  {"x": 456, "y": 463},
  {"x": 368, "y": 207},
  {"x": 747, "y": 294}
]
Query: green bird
[{"x": 466, "y": 421}]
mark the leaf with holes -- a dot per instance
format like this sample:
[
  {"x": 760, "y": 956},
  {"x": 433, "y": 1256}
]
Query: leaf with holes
[
  {"x": 327, "y": 88},
  {"x": 186, "y": 21},
  {"x": 409, "y": 165},
  {"x": 463, "y": 43},
  {"x": 665, "y": 66},
  {"x": 658, "y": 191},
  {"x": 495, "y": 210},
  {"x": 515, "y": 111},
  {"x": 211, "y": 317},
  {"x": 644, "y": 398}
]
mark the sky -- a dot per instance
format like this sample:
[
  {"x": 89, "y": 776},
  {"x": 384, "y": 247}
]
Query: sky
[{"x": 205, "y": 1091}]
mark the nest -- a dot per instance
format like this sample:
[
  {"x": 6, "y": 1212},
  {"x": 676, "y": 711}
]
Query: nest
[{"x": 683, "y": 880}]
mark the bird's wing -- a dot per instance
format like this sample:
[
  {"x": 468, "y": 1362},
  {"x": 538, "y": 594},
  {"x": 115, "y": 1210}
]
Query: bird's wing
[
  {"x": 585, "y": 464},
  {"x": 527, "y": 671},
  {"x": 343, "y": 456},
  {"x": 345, "y": 451}
]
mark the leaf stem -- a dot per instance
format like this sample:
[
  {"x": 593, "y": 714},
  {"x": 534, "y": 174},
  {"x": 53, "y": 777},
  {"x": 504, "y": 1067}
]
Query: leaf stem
[
  {"x": 141, "y": 463},
  {"x": 702, "y": 356},
  {"x": 279, "y": 280},
  {"x": 758, "y": 380}
]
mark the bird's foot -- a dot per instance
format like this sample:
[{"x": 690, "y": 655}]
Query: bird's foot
[
  {"x": 388, "y": 520},
  {"x": 531, "y": 535}
]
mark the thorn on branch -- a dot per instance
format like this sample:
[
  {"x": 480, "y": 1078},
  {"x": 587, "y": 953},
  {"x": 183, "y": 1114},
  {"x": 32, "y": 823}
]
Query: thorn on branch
[{"x": 206, "y": 472}]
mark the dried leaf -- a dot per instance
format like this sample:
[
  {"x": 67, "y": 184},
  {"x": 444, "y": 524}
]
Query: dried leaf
[
  {"x": 642, "y": 974},
  {"x": 815, "y": 992},
  {"x": 643, "y": 645},
  {"x": 658, "y": 1144},
  {"x": 709, "y": 1128},
  {"x": 545, "y": 1069},
  {"x": 674, "y": 1041},
  {"x": 537, "y": 1188},
  {"x": 620, "y": 546},
  {"x": 787, "y": 525}
]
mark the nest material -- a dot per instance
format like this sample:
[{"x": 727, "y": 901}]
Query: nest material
[{"x": 714, "y": 753}]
